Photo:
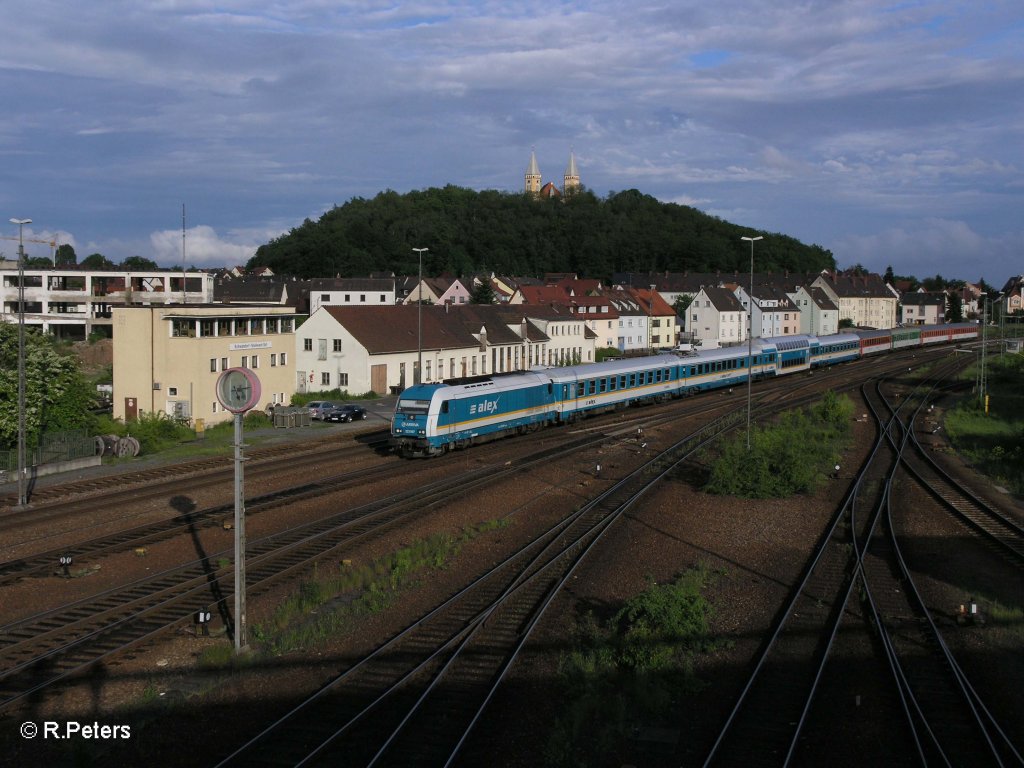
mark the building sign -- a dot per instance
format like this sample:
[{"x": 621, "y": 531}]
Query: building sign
[{"x": 243, "y": 345}]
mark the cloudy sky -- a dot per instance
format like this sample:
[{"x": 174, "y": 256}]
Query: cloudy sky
[{"x": 887, "y": 131}]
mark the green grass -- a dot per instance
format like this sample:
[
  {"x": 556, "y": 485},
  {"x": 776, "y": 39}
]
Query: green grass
[
  {"x": 791, "y": 456},
  {"x": 630, "y": 670},
  {"x": 994, "y": 441},
  {"x": 325, "y": 604}
]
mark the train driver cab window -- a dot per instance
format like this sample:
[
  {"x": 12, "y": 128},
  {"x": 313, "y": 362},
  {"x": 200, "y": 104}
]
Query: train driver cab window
[{"x": 444, "y": 406}]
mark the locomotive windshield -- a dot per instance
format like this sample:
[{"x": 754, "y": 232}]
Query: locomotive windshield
[{"x": 413, "y": 406}]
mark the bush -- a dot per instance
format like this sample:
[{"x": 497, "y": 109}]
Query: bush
[{"x": 792, "y": 456}]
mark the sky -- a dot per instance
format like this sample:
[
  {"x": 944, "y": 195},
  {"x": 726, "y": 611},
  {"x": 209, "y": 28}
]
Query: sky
[{"x": 890, "y": 133}]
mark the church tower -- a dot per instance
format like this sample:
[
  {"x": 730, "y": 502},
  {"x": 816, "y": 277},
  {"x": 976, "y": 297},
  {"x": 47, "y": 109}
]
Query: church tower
[
  {"x": 533, "y": 175},
  {"x": 572, "y": 176}
]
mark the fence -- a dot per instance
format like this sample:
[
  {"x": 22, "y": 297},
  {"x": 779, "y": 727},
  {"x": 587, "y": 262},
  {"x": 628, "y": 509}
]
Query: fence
[{"x": 53, "y": 446}]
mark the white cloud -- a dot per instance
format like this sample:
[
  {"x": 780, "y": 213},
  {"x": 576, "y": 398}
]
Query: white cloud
[{"x": 203, "y": 247}]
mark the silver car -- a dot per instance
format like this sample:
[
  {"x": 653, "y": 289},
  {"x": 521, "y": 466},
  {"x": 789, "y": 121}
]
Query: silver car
[{"x": 318, "y": 408}]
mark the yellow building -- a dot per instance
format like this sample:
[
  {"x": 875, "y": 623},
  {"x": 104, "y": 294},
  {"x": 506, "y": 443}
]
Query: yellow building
[{"x": 168, "y": 358}]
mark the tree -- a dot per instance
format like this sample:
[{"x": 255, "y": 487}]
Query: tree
[
  {"x": 482, "y": 293},
  {"x": 97, "y": 261},
  {"x": 936, "y": 283},
  {"x": 138, "y": 264},
  {"x": 955, "y": 312},
  {"x": 65, "y": 256},
  {"x": 56, "y": 394},
  {"x": 890, "y": 278},
  {"x": 682, "y": 303}
]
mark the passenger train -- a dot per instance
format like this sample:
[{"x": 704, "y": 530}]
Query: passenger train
[{"x": 431, "y": 419}]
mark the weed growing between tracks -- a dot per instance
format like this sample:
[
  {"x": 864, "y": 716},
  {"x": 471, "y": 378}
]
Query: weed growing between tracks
[
  {"x": 630, "y": 671},
  {"x": 790, "y": 456},
  {"x": 325, "y": 603}
]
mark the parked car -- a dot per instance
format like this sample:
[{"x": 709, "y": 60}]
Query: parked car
[
  {"x": 345, "y": 413},
  {"x": 319, "y": 408}
]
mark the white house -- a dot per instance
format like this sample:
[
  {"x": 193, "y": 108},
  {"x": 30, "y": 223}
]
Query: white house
[{"x": 716, "y": 315}]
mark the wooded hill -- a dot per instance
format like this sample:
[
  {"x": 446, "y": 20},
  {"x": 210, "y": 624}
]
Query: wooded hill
[{"x": 515, "y": 234}]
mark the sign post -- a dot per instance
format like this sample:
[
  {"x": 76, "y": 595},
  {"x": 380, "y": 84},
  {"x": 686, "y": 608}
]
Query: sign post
[{"x": 238, "y": 390}]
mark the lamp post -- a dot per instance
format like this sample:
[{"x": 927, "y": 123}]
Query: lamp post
[
  {"x": 22, "y": 497},
  {"x": 750, "y": 331},
  {"x": 419, "y": 320}
]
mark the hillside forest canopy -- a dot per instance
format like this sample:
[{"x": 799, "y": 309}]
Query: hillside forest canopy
[{"x": 517, "y": 234}]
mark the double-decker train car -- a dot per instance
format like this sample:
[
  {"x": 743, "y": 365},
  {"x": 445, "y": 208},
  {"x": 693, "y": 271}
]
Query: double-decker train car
[{"x": 433, "y": 418}]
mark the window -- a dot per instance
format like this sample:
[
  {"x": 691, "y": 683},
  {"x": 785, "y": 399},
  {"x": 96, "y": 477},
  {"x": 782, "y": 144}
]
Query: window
[
  {"x": 224, "y": 364},
  {"x": 172, "y": 391},
  {"x": 321, "y": 349},
  {"x": 382, "y": 298},
  {"x": 181, "y": 328},
  {"x": 343, "y": 379},
  {"x": 273, "y": 360},
  {"x": 271, "y": 325},
  {"x": 337, "y": 345},
  {"x": 362, "y": 298},
  {"x": 324, "y": 298},
  {"x": 214, "y": 406},
  {"x": 286, "y": 325},
  {"x": 255, "y": 361},
  {"x": 307, "y": 345},
  {"x": 213, "y": 365},
  {"x": 325, "y": 379},
  {"x": 245, "y": 361},
  {"x": 206, "y": 327},
  {"x": 284, "y": 358}
]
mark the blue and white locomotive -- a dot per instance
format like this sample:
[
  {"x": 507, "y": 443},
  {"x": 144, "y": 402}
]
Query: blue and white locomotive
[{"x": 433, "y": 418}]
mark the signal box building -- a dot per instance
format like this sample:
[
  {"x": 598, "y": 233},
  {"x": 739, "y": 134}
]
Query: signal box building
[{"x": 169, "y": 358}]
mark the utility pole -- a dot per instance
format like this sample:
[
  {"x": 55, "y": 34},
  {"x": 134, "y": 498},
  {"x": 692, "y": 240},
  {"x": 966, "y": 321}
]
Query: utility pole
[{"x": 22, "y": 490}]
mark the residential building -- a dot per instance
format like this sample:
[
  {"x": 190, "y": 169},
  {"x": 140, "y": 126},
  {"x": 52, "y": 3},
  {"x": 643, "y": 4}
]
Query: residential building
[
  {"x": 437, "y": 290},
  {"x": 819, "y": 316},
  {"x": 168, "y": 358},
  {"x": 923, "y": 308},
  {"x": 351, "y": 292},
  {"x": 716, "y": 315},
  {"x": 863, "y": 299},
  {"x": 360, "y": 349},
  {"x": 72, "y": 303},
  {"x": 774, "y": 313}
]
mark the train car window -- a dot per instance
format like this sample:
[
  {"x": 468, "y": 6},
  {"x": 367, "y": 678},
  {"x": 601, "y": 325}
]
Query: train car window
[
  {"x": 444, "y": 409},
  {"x": 592, "y": 386},
  {"x": 613, "y": 383},
  {"x": 581, "y": 389},
  {"x": 622, "y": 382},
  {"x": 632, "y": 380},
  {"x": 565, "y": 391},
  {"x": 602, "y": 385}
]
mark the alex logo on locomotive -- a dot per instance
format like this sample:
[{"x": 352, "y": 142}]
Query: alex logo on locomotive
[{"x": 484, "y": 407}]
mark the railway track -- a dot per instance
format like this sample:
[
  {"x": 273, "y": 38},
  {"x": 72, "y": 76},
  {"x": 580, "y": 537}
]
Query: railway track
[
  {"x": 415, "y": 699},
  {"x": 43, "y": 649}
]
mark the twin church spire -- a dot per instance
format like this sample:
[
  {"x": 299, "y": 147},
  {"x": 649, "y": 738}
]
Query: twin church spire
[{"x": 570, "y": 181}]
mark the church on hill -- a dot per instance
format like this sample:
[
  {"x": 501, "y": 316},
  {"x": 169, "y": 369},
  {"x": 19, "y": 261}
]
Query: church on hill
[{"x": 570, "y": 181}]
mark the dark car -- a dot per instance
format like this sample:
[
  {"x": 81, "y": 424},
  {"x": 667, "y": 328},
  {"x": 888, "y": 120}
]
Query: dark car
[{"x": 344, "y": 413}]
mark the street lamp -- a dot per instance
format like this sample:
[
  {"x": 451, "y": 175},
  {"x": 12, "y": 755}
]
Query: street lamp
[
  {"x": 22, "y": 497},
  {"x": 750, "y": 331},
  {"x": 419, "y": 320}
]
